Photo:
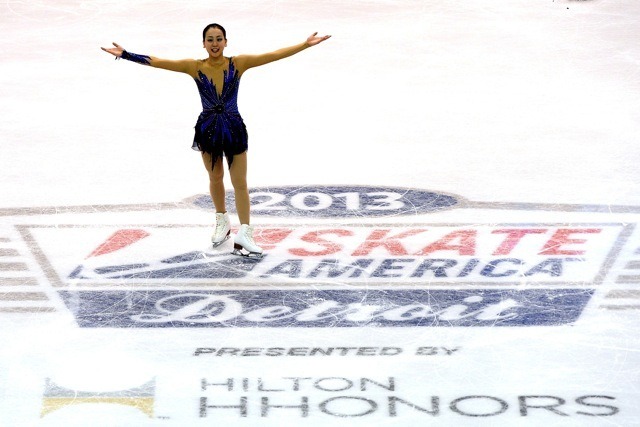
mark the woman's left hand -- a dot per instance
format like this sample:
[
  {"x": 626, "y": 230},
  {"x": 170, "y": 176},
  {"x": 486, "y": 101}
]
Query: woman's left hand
[{"x": 313, "y": 39}]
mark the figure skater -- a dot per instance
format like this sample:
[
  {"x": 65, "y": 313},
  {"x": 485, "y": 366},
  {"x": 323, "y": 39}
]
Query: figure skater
[{"x": 220, "y": 130}]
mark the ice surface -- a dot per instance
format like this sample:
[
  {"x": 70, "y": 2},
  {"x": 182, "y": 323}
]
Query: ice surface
[{"x": 446, "y": 192}]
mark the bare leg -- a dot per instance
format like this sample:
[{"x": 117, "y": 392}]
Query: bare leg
[
  {"x": 238, "y": 174},
  {"x": 216, "y": 184}
]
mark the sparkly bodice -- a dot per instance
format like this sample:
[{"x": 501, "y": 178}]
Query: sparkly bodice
[{"x": 227, "y": 100}]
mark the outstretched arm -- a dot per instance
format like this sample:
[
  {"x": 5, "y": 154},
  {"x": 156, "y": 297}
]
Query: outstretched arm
[
  {"x": 183, "y": 66},
  {"x": 244, "y": 62}
]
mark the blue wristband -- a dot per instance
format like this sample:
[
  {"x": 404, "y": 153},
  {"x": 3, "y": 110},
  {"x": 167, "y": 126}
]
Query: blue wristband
[{"x": 140, "y": 59}]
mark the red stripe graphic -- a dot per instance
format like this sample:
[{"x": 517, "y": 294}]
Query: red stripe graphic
[{"x": 118, "y": 240}]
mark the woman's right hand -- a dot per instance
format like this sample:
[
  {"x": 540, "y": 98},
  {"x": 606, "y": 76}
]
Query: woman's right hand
[{"x": 115, "y": 51}]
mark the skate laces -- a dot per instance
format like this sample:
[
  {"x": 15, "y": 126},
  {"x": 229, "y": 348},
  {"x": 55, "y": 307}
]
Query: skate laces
[
  {"x": 220, "y": 224},
  {"x": 249, "y": 234}
]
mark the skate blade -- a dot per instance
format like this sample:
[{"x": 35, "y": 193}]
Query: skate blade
[
  {"x": 245, "y": 253},
  {"x": 216, "y": 244}
]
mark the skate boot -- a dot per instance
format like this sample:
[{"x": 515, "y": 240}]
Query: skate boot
[
  {"x": 244, "y": 245},
  {"x": 223, "y": 229}
]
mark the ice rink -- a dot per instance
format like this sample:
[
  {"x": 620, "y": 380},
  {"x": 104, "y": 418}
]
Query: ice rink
[{"x": 446, "y": 193}]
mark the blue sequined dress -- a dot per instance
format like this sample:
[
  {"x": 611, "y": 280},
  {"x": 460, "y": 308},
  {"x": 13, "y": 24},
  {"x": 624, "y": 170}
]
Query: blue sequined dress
[{"x": 220, "y": 129}]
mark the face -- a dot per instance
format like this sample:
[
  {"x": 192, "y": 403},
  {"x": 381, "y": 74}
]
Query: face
[{"x": 214, "y": 42}]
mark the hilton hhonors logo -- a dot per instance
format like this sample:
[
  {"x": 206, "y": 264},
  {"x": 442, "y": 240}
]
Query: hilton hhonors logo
[{"x": 56, "y": 397}]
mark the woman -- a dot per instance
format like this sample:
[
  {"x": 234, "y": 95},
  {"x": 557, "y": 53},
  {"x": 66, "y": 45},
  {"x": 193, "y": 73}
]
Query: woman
[{"x": 220, "y": 130}]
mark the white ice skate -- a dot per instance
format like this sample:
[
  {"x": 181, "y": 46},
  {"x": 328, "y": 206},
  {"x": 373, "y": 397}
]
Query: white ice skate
[
  {"x": 223, "y": 229},
  {"x": 244, "y": 245}
]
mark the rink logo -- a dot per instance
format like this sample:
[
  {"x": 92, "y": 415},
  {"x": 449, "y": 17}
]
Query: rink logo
[
  {"x": 339, "y": 201},
  {"x": 329, "y": 308},
  {"x": 506, "y": 254},
  {"x": 56, "y": 397},
  {"x": 565, "y": 264}
]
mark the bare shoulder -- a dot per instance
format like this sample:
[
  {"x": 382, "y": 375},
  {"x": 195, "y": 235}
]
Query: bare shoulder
[
  {"x": 245, "y": 62},
  {"x": 192, "y": 66},
  {"x": 240, "y": 63}
]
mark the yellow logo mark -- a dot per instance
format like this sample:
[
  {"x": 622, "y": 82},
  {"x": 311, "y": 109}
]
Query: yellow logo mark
[{"x": 56, "y": 397}]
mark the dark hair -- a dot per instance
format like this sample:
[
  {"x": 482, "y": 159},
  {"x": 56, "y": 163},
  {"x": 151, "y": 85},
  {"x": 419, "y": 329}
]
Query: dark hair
[{"x": 218, "y": 26}]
